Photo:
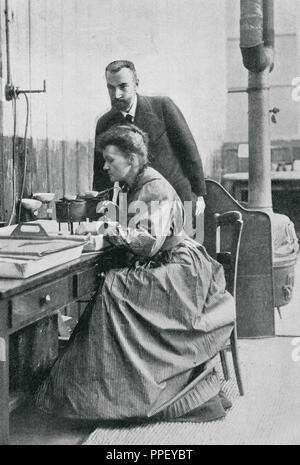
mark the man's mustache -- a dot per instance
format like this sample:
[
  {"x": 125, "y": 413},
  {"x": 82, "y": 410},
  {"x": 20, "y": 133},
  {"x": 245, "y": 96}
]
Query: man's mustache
[{"x": 118, "y": 101}]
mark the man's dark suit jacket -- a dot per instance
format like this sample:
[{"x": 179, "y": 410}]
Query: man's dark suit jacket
[{"x": 172, "y": 149}]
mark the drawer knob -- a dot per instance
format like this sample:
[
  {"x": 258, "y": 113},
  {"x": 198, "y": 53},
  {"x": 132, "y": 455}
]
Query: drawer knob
[
  {"x": 46, "y": 299},
  {"x": 101, "y": 275}
]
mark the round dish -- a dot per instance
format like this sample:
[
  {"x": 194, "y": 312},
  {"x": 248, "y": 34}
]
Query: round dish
[
  {"x": 90, "y": 194},
  {"x": 31, "y": 204},
  {"x": 44, "y": 196},
  {"x": 69, "y": 197}
]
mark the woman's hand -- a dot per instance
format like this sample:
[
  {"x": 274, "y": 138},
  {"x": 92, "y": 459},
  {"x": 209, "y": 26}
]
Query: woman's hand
[
  {"x": 88, "y": 228},
  {"x": 105, "y": 227},
  {"x": 108, "y": 227},
  {"x": 107, "y": 208}
]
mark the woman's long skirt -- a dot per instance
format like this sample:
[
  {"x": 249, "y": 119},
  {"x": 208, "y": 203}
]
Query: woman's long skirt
[{"x": 140, "y": 349}]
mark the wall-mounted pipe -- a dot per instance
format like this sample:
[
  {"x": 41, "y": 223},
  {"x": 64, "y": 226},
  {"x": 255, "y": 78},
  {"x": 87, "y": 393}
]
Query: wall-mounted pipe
[
  {"x": 12, "y": 93},
  {"x": 257, "y": 47},
  {"x": 268, "y": 23},
  {"x": 7, "y": 35},
  {"x": 257, "y": 34}
]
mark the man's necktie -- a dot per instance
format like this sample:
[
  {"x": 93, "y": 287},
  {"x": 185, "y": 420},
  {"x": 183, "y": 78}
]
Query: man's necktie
[{"x": 129, "y": 118}]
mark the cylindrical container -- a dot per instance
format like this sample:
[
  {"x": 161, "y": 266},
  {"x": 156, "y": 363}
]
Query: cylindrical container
[
  {"x": 70, "y": 211},
  {"x": 285, "y": 249},
  {"x": 92, "y": 202},
  {"x": 284, "y": 279}
]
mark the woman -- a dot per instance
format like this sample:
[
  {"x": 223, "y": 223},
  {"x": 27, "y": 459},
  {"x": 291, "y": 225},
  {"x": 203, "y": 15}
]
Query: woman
[{"x": 142, "y": 347}]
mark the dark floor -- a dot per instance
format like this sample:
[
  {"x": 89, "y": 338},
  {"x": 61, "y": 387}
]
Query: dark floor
[{"x": 28, "y": 426}]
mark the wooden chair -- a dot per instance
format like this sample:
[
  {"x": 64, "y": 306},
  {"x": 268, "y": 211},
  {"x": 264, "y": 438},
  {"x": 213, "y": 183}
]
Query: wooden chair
[
  {"x": 228, "y": 236},
  {"x": 282, "y": 156}
]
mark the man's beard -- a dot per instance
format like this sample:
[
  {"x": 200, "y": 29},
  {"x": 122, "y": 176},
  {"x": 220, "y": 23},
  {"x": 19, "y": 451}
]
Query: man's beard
[{"x": 121, "y": 105}]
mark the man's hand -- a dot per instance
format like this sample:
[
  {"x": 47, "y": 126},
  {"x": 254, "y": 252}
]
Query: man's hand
[{"x": 200, "y": 206}]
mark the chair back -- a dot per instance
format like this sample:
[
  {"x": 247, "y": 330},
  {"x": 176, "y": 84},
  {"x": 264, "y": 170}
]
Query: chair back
[
  {"x": 282, "y": 156},
  {"x": 229, "y": 227}
]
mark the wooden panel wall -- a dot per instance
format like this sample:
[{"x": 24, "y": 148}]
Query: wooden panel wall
[
  {"x": 69, "y": 43},
  {"x": 53, "y": 166},
  {"x": 43, "y": 43}
]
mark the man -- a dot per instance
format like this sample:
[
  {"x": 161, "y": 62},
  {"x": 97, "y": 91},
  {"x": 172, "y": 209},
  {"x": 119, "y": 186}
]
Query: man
[{"x": 172, "y": 149}]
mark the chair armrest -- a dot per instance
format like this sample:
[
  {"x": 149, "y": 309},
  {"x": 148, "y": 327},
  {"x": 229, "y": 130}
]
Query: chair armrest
[{"x": 224, "y": 258}]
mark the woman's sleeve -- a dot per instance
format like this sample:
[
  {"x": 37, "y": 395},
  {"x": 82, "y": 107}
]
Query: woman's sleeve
[{"x": 150, "y": 220}]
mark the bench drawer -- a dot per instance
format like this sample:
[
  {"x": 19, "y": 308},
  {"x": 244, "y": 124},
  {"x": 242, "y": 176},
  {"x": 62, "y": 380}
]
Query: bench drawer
[
  {"x": 86, "y": 281},
  {"x": 49, "y": 297}
]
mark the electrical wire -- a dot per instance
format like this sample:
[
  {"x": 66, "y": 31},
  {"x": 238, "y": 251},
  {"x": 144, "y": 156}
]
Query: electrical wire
[
  {"x": 14, "y": 110},
  {"x": 25, "y": 159},
  {"x": 13, "y": 212},
  {"x": 14, "y": 106},
  {"x": 13, "y": 95}
]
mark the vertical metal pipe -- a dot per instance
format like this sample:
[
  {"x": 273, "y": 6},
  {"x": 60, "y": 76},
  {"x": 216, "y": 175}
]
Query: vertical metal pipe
[
  {"x": 268, "y": 23},
  {"x": 260, "y": 194},
  {"x": 7, "y": 33},
  {"x": 257, "y": 45}
]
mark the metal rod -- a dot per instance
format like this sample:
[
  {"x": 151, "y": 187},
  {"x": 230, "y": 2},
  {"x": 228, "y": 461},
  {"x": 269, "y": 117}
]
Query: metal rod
[
  {"x": 7, "y": 43},
  {"x": 236, "y": 90},
  {"x": 29, "y": 91}
]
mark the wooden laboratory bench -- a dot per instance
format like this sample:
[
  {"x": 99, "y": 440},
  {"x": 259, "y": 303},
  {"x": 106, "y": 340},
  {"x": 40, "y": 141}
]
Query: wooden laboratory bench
[{"x": 24, "y": 302}]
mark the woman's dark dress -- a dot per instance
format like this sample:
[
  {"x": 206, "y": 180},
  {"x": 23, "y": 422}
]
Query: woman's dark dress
[{"x": 141, "y": 346}]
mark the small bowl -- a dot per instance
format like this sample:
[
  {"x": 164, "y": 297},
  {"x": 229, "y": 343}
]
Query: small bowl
[
  {"x": 31, "y": 204},
  {"x": 90, "y": 194},
  {"x": 44, "y": 196},
  {"x": 69, "y": 197}
]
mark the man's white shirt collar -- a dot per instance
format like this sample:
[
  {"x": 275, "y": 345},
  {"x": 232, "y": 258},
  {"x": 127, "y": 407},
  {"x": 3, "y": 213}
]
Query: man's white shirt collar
[{"x": 132, "y": 110}]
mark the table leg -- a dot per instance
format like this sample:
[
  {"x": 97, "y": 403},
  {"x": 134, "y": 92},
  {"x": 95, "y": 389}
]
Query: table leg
[{"x": 4, "y": 389}]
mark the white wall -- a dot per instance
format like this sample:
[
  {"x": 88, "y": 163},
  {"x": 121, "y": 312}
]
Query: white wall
[
  {"x": 178, "y": 46},
  {"x": 286, "y": 67}
]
